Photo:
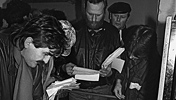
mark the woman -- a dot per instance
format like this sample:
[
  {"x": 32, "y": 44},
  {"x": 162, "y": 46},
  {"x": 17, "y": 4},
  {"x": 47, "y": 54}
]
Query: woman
[{"x": 142, "y": 65}]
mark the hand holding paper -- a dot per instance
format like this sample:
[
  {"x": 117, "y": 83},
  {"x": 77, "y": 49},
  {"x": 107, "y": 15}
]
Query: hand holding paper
[
  {"x": 113, "y": 58},
  {"x": 58, "y": 85},
  {"x": 86, "y": 74},
  {"x": 106, "y": 72}
]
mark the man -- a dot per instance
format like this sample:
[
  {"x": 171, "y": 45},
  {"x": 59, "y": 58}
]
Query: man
[
  {"x": 27, "y": 57},
  {"x": 96, "y": 39},
  {"x": 118, "y": 15}
]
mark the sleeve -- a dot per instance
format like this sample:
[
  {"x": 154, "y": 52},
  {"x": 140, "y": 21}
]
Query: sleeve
[
  {"x": 7, "y": 69},
  {"x": 139, "y": 72}
]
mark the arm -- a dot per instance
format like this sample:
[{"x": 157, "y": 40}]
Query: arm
[
  {"x": 138, "y": 75},
  {"x": 118, "y": 89}
]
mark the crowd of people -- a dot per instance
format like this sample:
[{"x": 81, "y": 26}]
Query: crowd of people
[{"x": 38, "y": 47}]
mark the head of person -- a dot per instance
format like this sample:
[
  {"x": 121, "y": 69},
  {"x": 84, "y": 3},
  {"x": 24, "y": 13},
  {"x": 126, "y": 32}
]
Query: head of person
[
  {"x": 118, "y": 14},
  {"x": 16, "y": 12},
  {"x": 60, "y": 15},
  {"x": 95, "y": 12},
  {"x": 34, "y": 13},
  {"x": 142, "y": 42},
  {"x": 44, "y": 37}
]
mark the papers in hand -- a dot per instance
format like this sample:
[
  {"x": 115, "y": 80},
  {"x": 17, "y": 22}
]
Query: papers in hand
[
  {"x": 117, "y": 63},
  {"x": 86, "y": 74},
  {"x": 57, "y": 85}
]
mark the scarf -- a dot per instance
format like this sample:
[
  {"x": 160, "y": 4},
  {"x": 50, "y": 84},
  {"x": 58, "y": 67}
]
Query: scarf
[{"x": 24, "y": 81}]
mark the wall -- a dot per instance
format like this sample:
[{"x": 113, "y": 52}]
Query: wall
[
  {"x": 166, "y": 8},
  {"x": 141, "y": 9},
  {"x": 3, "y": 3},
  {"x": 143, "y": 12},
  {"x": 67, "y": 7}
]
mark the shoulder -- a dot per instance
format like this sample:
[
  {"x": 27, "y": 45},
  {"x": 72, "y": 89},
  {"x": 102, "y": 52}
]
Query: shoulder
[
  {"x": 5, "y": 36},
  {"x": 109, "y": 27}
]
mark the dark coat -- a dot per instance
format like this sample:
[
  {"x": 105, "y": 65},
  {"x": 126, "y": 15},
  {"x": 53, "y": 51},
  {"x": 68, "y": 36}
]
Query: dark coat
[
  {"x": 92, "y": 48},
  {"x": 146, "y": 73},
  {"x": 7, "y": 67},
  {"x": 17, "y": 79}
]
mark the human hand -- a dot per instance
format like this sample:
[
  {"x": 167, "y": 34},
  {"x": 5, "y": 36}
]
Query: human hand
[
  {"x": 105, "y": 72},
  {"x": 69, "y": 68},
  {"x": 118, "y": 90}
]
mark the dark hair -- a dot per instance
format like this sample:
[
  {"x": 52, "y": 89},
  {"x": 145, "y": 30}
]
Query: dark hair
[
  {"x": 15, "y": 11},
  {"x": 45, "y": 30},
  {"x": 141, "y": 41},
  {"x": 60, "y": 15},
  {"x": 96, "y": 2}
]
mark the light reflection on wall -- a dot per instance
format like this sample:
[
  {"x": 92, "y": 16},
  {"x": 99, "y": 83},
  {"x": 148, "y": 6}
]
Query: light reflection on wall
[{"x": 167, "y": 7}]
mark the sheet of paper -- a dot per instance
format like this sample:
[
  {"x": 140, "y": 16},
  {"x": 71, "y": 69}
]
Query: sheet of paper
[
  {"x": 62, "y": 83},
  {"x": 93, "y": 77},
  {"x": 117, "y": 64},
  {"x": 112, "y": 56},
  {"x": 84, "y": 71},
  {"x": 57, "y": 85}
]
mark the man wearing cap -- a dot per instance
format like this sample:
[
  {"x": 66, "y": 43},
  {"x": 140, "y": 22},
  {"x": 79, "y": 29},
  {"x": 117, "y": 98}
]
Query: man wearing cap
[{"x": 119, "y": 13}]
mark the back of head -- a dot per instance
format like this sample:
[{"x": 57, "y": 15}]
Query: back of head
[
  {"x": 60, "y": 15},
  {"x": 141, "y": 41},
  {"x": 15, "y": 11},
  {"x": 119, "y": 8}
]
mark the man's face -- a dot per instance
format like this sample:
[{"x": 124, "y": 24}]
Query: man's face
[
  {"x": 32, "y": 55},
  {"x": 95, "y": 15},
  {"x": 119, "y": 20}
]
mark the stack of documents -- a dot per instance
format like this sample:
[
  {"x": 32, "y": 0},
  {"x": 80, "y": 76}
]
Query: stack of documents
[
  {"x": 113, "y": 58},
  {"x": 57, "y": 85}
]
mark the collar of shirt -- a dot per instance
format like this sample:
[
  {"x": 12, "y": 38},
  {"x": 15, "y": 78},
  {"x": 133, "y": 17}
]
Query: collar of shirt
[{"x": 93, "y": 32}]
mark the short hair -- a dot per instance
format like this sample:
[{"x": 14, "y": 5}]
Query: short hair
[
  {"x": 142, "y": 41},
  {"x": 96, "y": 2},
  {"x": 45, "y": 30}
]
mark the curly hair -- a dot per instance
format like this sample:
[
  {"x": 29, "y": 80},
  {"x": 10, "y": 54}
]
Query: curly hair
[{"x": 45, "y": 30}]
